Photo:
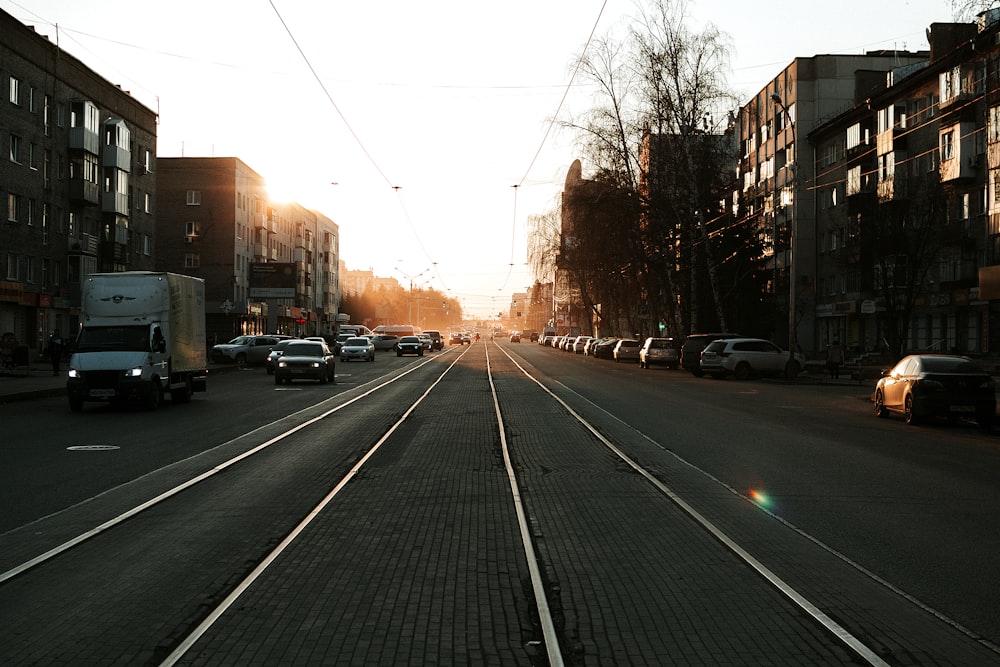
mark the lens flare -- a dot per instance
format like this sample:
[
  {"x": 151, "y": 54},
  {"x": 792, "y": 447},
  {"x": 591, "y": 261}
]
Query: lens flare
[{"x": 760, "y": 498}]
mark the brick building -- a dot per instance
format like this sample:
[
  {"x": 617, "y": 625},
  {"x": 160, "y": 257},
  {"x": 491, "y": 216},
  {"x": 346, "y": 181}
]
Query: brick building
[{"x": 77, "y": 183}]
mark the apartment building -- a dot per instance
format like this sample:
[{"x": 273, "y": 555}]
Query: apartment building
[
  {"x": 908, "y": 221},
  {"x": 77, "y": 183},
  {"x": 777, "y": 172},
  {"x": 215, "y": 220}
]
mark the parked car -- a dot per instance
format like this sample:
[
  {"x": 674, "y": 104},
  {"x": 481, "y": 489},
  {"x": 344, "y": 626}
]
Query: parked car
[
  {"x": 305, "y": 359},
  {"x": 693, "y": 345},
  {"x": 663, "y": 351},
  {"x": 357, "y": 347},
  {"x": 925, "y": 385},
  {"x": 245, "y": 350},
  {"x": 577, "y": 345},
  {"x": 744, "y": 357},
  {"x": 384, "y": 341},
  {"x": 605, "y": 349},
  {"x": 276, "y": 351},
  {"x": 437, "y": 342},
  {"x": 627, "y": 349},
  {"x": 409, "y": 345}
]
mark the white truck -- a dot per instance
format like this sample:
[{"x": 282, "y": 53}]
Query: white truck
[{"x": 142, "y": 335}]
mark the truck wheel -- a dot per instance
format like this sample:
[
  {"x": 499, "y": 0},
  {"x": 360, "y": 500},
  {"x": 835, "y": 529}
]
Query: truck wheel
[
  {"x": 155, "y": 396},
  {"x": 182, "y": 395},
  {"x": 75, "y": 404}
]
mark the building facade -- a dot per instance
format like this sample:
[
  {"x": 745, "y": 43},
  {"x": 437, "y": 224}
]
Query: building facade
[
  {"x": 215, "y": 220},
  {"x": 777, "y": 171},
  {"x": 909, "y": 239},
  {"x": 77, "y": 178}
]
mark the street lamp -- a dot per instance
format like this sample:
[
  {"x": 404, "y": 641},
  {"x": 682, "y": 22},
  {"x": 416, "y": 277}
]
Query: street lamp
[
  {"x": 792, "y": 231},
  {"x": 412, "y": 279}
]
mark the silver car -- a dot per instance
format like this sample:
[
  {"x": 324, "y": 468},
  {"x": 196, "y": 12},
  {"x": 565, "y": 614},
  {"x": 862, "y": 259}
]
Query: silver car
[
  {"x": 744, "y": 357},
  {"x": 357, "y": 347}
]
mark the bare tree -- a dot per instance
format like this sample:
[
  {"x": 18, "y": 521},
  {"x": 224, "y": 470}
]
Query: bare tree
[
  {"x": 660, "y": 93},
  {"x": 967, "y": 10}
]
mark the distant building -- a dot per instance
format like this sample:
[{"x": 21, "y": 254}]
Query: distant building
[
  {"x": 77, "y": 181},
  {"x": 215, "y": 221}
]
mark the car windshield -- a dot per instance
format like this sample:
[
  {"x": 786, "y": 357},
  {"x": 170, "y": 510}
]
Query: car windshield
[
  {"x": 304, "y": 350},
  {"x": 351, "y": 342},
  {"x": 409, "y": 339},
  {"x": 950, "y": 365}
]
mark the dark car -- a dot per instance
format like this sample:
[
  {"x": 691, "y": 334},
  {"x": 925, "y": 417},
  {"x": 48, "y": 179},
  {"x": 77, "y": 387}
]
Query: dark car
[
  {"x": 437, "y": 342},
  {"x": 277, "y": 351},
  {"x": 305, "y": 359},
  {"x": 693, "y": 345},
  {"x": 456, "y": 338},
  {"x": 605, "y": 349},
  {"x": 927, "y": 385},
  {"x": 409, "y": 345}
]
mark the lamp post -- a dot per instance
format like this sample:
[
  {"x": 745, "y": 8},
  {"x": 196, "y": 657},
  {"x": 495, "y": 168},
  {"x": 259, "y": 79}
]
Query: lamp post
[
  {"x": 412, "y": 279},
  {"x": 791, "y": 223}
]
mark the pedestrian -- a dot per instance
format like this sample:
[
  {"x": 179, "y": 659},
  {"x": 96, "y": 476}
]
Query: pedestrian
[
  {"x": 56, "y": 347},
  {"x": 834, "y": 358}
]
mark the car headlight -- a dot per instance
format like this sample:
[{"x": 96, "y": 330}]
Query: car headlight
[
  {"x": 282, "y": 364},
  {"x": 73, "y": 373},
  {"x": 134, "y": 372},
  {"x": 315, "y": 364}
]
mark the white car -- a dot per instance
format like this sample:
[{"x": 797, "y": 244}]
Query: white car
[
  {"x": 357, "y": 347},
  {"x": 743, "y": 357}
]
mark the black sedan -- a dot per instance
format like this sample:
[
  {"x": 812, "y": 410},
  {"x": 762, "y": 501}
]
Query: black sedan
[
  {"x": 306, "y": 359},
  {"x": 927, "y": 385},
  {"x": 409, "y": 345}
]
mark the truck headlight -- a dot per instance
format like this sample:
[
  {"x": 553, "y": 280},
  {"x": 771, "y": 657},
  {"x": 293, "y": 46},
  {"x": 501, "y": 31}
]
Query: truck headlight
[{"x": 134, "y": 372}]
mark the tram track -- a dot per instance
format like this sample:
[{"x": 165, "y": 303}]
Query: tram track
[{"x": 537, "y": 493}]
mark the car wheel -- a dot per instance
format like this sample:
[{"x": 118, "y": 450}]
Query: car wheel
[
  {"x": 324, "y": 378},
  {"x": 241, "y": 361},
  {"x": 985, "y": 421},
  {"x": 880, "y": 410},
  {"x": 908, "y": 410},
  {"x": 277, "y": 381},
  {"x": 742, "y": 371}
]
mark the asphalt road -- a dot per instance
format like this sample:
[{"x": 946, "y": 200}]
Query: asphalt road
[{"x": 910, "y": 506}]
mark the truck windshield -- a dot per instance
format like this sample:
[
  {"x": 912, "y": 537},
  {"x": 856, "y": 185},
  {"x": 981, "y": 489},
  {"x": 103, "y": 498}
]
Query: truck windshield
[{"x": 99, "y": 339}]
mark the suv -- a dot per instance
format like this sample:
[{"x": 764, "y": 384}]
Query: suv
[
  {"x": 437, "y": 342},
  {"x": 245, "y": 350},
  {"x": 409, "y": 345},
  {"x": 692, "y": 347},
  {"x": 659, "y": 351},
  {"x": 743, "y": 357}
]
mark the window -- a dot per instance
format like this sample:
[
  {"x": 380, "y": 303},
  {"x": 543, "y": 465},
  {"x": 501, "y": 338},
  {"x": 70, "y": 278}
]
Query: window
[
  {"x": 13, "y": 266},
  {"x": 30, "y": 270},
  {"x": 192, "y": 260},
  {"x": 14, "y": 91},
  {"x": 13, "y": 207},
  {"x": 147, "y": 203},
  {"x": 191, "y": 229},
  {"x": 948, "y": 145},
  {"x": 193, "y": 198},
  {"x": 15, "y": 148}
]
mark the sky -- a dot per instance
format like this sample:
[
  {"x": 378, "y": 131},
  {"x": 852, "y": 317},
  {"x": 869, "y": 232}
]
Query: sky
[{"x": 422, "y": 129}]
